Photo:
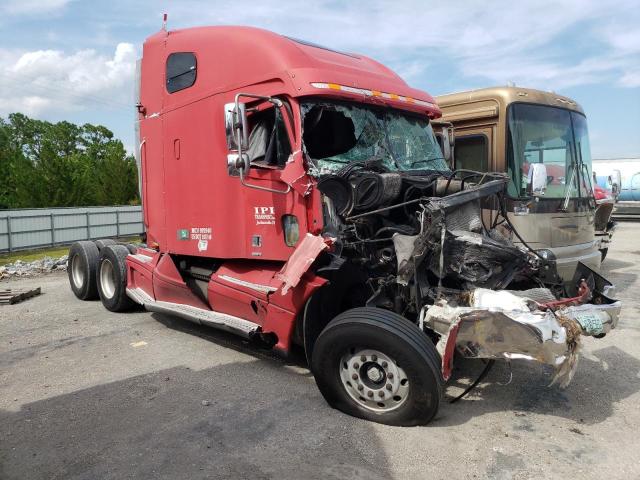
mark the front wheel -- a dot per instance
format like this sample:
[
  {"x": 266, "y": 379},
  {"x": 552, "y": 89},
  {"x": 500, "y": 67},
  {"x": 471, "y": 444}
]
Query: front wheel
[{"x": 374, "y": 364}]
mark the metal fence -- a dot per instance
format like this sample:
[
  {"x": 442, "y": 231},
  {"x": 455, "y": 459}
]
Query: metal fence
[{"x": 42, "y": 227}]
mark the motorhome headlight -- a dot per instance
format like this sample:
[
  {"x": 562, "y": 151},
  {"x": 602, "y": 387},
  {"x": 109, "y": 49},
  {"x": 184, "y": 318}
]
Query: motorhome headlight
[{"x": 291, "y": 230}]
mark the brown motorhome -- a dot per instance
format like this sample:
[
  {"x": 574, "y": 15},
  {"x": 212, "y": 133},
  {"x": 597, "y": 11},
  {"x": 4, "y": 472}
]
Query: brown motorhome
[{"x": 509, "y": 129}]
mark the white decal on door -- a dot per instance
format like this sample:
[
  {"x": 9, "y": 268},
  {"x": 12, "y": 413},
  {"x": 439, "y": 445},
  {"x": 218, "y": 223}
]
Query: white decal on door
[{"x": 265, "y": 215}]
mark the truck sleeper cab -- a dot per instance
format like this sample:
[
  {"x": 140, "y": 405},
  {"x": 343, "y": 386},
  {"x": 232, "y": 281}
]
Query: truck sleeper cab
[
  {"x": 508, "y": 129},
  {"x": 296, "y": 195}
]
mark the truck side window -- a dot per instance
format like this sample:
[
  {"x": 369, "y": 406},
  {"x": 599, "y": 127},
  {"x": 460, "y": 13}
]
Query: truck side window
[
  {"x": 268, "y": 141},
  {"x": 181, "y": 71},
  {"x": 472, "y": 153}
]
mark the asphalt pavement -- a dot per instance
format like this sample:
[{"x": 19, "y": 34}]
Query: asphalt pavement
[{"x": 90, "y": 394}]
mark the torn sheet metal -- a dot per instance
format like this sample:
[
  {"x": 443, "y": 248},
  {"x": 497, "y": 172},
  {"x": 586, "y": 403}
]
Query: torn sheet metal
[
  {"x": 501, "y": 325},
  {"x": 296, "y": 176},
  {"x": 404, "y": 246},
  {"x": 595, "y": 320},
  {"x": 300, "y": 260}
]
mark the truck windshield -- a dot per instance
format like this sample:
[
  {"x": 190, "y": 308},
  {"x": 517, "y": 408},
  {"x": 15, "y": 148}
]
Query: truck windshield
[
  {"x": 556, "y": 137},
  {"x": 338, "y": 134}
]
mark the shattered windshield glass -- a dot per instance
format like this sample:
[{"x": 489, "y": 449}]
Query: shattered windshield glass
[{"x": 339, "y": 134}]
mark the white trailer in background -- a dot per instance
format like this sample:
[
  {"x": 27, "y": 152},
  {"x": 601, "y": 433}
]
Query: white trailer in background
[{"x": 622, "y": 176}]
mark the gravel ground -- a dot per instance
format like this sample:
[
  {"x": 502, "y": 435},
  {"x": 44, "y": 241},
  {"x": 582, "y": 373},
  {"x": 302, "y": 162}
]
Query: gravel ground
[
  {"x": 88, "y": 394},
  {"x": 44, "y": 265}
]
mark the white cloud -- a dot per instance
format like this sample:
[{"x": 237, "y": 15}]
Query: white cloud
[
  {"x": 631, "y": 79},
  {"x": 538, "y": 43},
  {"x": 32, "y": 7},
  {"x": 50, "y": 80},
  {"x": 534, "y": 42}
]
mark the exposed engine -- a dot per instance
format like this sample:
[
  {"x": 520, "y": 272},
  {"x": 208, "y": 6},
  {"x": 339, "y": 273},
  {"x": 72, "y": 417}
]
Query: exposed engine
[
  {"x": 420, "y": 235},
  {"x": 426, "y": 251}
]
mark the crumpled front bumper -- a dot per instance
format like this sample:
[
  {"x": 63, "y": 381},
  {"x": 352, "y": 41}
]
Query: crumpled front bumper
[{"x": 503, "y": 325}]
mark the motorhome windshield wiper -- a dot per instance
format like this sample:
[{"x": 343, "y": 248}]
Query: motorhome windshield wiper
[{"x": 567, "y": 196}]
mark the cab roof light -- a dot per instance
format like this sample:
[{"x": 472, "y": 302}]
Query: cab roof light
[{"x": 372, "y": 93}]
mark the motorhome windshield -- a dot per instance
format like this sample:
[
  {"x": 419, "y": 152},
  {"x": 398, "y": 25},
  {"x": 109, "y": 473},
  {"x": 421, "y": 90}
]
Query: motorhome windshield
[
  {"x": 556, "y": 137},
  {"x": 338, "y": 134}
]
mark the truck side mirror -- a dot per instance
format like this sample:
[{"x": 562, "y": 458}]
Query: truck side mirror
[
  {"x": 235, "y": 122},
  {"x": 537, "y": 179}
]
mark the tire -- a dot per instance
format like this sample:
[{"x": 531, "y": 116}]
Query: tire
[
  {"x": 603, "y": 253},
  {"x": 364, "y": 352},
  {"x": 132, "y": 248},
  {"x": 104, "y": 242},
  {"x": 82, "y": 267},
  {"x": 112, "y": 278}
]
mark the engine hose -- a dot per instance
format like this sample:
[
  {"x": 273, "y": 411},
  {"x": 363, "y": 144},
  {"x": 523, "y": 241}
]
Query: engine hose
[
  {"x": 398, "y": 229},
  {"x": 485, "y": 371},
  {"x": 503, "y": 209},
  {"x": 374, "y": 190},
  {"x": 473, "y": 173}
]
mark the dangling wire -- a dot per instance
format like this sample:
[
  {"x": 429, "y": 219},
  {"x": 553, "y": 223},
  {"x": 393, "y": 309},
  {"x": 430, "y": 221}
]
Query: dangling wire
[{"x": 483, "y": 373}]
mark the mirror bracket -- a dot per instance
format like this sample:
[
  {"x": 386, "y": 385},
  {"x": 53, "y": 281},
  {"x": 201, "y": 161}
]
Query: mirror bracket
[{"x": 238, "y": 138}]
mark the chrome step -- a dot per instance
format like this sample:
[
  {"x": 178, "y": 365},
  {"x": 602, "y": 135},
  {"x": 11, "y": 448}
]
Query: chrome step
[{"x": 210, "y": 318}]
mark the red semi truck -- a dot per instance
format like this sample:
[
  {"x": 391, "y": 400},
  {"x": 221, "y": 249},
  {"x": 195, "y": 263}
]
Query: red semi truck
[{"x": 296, "y": 195}]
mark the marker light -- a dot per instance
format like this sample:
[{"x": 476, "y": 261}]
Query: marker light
[
  {"x": 291, "y": 230},
  {"x": 372, "y": 93}
]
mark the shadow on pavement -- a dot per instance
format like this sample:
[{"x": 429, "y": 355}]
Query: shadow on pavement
[
  {"x": 590, "y": 398},
  {"x": 234, "y": 342},
  {"x": 239, "y": 420}
]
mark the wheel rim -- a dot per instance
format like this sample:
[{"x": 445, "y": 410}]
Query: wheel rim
[
  {"x": 77, "y": 272},
  {"x": 107, "y": 280},
  {"x": 374, "y": 380}
]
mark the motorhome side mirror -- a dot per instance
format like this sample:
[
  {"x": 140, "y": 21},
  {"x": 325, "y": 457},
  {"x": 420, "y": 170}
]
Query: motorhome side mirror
[
  {"x": 537, "y": 179},
  {"x": 235, "y": 122},
  {"x": 451, "y": 134},
  {"x": 616, "y": 182},
  {"x": 446, "y": 139}
]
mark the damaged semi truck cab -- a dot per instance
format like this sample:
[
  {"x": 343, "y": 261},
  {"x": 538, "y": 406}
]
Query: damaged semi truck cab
[
  {"x": 296, "y": 195},
  {"x": 533, "y": 136}
]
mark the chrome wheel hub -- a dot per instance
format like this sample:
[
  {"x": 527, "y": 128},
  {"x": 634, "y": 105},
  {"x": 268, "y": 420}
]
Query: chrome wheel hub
[
  {"x": 374, "y": 380},
  {"x": 107, "y": 280},
  {"x": 77, "y": 272}
]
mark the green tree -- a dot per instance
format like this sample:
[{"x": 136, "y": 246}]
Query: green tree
[{"x": 44, "y": 164}]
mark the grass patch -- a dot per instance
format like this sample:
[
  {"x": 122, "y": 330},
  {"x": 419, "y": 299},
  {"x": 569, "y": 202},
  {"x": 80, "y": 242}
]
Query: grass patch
[{"x": 53, "y": 252}]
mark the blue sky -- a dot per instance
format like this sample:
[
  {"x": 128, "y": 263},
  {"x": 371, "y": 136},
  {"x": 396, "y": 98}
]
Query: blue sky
[{"x": 74, "y": 59}]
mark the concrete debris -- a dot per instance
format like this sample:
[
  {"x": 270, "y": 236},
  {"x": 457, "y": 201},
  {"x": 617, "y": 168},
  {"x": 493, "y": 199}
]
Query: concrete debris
[{"x": 20, "y": 268}]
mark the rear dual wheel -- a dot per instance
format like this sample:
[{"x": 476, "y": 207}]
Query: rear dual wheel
[
  {"x": 374, "y": 364},
  {"x": 81, "y": 268},
  {"x": 112, "y": 278}
]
